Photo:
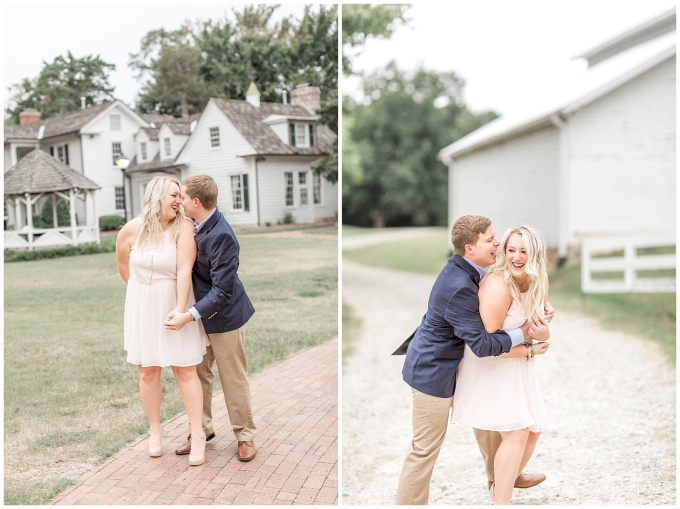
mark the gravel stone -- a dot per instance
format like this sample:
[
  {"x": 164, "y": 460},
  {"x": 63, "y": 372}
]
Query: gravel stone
[{"x": 610, "y": 399}]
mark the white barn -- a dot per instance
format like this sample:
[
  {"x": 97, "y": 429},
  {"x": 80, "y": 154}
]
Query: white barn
[{"x": 599, "y": 164}]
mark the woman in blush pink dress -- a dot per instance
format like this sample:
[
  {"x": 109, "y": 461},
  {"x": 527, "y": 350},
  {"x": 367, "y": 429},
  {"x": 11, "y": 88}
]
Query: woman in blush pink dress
[
  {"x": 502, "y": 393},
  {"x": 155, "y": 253}
]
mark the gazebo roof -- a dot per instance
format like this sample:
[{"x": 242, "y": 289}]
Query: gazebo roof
[{"x": 39, "y": 172}]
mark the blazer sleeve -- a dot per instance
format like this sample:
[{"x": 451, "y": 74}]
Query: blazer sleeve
[
  {"x": 223, "y": 258},
  {"x": 462, "y": 313}
]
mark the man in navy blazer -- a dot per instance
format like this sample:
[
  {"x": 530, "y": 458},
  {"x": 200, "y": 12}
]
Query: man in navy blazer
[
  {"x": 436, "y": 348},
  {"x": 223, "y": 307}
]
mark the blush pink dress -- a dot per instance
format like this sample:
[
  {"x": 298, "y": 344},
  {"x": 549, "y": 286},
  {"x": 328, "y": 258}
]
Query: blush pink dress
[
  {"x": 151, "y": 296},
  {"x": 499, "y": 394}
]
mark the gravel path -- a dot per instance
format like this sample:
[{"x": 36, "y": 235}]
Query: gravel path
[{"x": 610, "y": 398}]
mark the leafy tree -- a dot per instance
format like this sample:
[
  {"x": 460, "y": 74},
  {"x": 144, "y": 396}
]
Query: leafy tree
[
  {"x": 361, "y": 20},
  {"x": 172, "y": 60},
  {"x": 397, "y": 137},
  {"x": 60, "y": 86}
]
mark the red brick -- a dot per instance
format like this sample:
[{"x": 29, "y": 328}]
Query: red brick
[{"x": 245, "y": 498}]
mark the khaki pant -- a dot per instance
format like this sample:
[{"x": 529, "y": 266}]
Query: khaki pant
[
  {"x": 228, "y": 349},
  {"x": 488, "y": 442},
  {"x": 430, "y": 421}
]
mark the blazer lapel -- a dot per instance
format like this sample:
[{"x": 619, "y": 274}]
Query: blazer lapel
[
  {"x": 209, "y": 225},
  {"x": 465, "y": 265}
]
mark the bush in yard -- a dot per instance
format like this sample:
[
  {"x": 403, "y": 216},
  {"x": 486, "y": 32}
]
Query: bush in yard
[
  {"x": 107, "y": 223},
  {"x": 46, "y": 219},
  {"x": 288, "y": 218}
]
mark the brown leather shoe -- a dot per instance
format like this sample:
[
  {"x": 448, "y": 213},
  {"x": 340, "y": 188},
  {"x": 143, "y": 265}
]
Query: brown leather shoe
[
  {"x": 186, "y": 448},
  {"x": 246, "y": 450},
  {"x": 527, "y": 480}
]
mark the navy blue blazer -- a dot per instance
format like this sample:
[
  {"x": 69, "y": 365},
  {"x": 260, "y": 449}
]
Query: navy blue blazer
[
  {"x": 451, "y": 321},
  {"x": 221, "y": 299}
]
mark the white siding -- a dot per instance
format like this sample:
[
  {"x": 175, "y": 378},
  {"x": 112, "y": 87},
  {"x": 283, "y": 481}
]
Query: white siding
[
  {"x": 97, "y": 157},
  {"x": 622, "y": 164},
  {"x": 273, "y": 191},
  {"x": 221, "y": 162},
  {"x": 511, "y": 183}
]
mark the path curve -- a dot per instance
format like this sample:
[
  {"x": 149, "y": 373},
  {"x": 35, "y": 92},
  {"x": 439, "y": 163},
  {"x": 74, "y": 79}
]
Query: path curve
[{"x": 610, "y": 398}]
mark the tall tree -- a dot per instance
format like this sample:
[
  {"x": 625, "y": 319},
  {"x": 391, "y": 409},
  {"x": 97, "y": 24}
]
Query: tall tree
[
  {"x": 362, "y": 20},
  {"x": 171, "y": 62},
  {"x": 397, "y": 137},
  {"x": 60, "y": 86}
]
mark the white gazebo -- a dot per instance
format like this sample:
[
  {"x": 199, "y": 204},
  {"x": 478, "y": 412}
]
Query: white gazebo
[{"x": 38, "y": 176}]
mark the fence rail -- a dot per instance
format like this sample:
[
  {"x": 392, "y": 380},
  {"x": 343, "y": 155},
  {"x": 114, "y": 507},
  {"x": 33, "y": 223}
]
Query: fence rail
[{"x": 630, "y": 264}]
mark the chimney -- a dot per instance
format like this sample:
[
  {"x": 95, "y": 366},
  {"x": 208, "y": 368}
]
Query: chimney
[
  {"x": 28, "y": 116},
  {"x": 285, "y": 97},
  {"x": 253, "y": 95},
  {"x": 82, "y": 103},
  {"x": 309, "y": 97}
]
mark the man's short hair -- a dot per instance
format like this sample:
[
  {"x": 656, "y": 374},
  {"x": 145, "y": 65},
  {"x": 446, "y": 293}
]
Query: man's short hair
[
  {"x": 466, "y": 230},
  {"x": 202, "y": 187}
]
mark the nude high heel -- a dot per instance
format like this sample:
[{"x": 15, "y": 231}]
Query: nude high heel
[
  {"x": 155, "y": 452},
  {"x": 199, "y": 457}
]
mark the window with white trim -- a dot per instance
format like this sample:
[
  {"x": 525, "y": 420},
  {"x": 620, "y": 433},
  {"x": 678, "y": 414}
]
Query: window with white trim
[
  {"x": 311, "y": 135},
  {"x": 116, "y": 150},
  {"x": 288, "y": 179},
  {"x": 240, "y": 196},
  {"x": 302, "y": 180},
  {"x": 214, "y": 136},
  {"x": 115, "y": 122},
  {"x": 120, "y": 199},
  {"x": 62, "y": 153},
  {"x": 301, "y": 135},
  {"x": 316, "y": 180},
  {"x": 142, "y": 149},
  {"x": 166, "y": 144}
]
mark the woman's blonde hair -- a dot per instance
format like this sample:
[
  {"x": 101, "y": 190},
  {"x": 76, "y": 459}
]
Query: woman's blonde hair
[
  {"x": 153, "y": 213},
  {"x": 535, "y": 267}
]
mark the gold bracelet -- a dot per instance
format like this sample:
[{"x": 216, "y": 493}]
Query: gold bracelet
[
  {"x": 526, "y": 345},
  {"x": 530, "y": 348}
]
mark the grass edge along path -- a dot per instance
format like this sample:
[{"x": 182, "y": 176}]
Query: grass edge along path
[
  {"x": 71, "y": 399},
  {"x": 650, "y": 316}
]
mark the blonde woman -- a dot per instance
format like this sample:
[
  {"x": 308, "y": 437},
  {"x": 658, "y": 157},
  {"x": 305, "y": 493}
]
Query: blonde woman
[
  {"x": 155, "y": 253},
  {"x": 501, "y": 394}
]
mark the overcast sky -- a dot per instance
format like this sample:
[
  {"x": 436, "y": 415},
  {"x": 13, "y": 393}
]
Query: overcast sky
[
  {"x": 36, "y": 32},
  {"x": 509, "y": 52}
]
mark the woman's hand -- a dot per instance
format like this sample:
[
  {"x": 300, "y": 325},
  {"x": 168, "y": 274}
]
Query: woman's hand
[
  {"x": 541, "y": 348},
  {"x": 539, "y": 329}
]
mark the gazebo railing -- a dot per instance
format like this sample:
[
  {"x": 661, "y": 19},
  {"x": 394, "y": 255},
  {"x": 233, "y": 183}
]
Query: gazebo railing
[{"x": 51, "y": 237}]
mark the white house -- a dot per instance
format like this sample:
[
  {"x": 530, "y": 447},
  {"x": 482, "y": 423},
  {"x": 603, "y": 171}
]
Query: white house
[
  {"x": 88, "y": 141},
  {"x": 157, "y": 149},
  {"x": 259, "y": 154},
  {"x": 600, "y": 163}
]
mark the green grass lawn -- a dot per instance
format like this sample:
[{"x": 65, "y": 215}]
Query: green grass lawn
[
  {"x": 650, "y": 316},
  {"x": 325, "y": 227},
  {"x": 71, "y": 399},
  {"x": 351, "y": 231}
]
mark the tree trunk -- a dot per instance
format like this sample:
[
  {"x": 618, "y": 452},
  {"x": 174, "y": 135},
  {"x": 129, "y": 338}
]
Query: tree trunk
[{"x": 378, "y": 217}]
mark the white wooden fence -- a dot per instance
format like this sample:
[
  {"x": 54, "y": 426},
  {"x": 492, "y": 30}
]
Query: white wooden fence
[{"x": 630, "y": 263}]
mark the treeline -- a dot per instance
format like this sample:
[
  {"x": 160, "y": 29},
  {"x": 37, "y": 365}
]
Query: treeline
[{"x": 179, "y": 70}]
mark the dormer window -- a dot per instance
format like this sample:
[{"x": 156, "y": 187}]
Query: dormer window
[
  {"x": 166, "y": 142},
  {"x": 214, "y": 136},
  {"x": 143, "y": 150},
  {"x": 301, "y": 134}
]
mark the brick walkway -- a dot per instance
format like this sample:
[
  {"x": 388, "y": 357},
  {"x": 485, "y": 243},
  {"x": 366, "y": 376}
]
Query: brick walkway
[{"x": 296, "y": 412}]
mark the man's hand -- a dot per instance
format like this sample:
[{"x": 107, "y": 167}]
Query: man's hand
[
  {"x": 549, "y": 312},
  {"x": 538, "y": 329},
  {"x": 541, "y": 348},
  {"x": 176, "y": 320}
]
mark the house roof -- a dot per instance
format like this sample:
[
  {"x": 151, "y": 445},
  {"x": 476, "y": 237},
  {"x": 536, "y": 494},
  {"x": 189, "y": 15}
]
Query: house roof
[
  {"x": 156, "y": 118},
  {"x": 653, "y": 28},
  {"x": 595, "y": 83},
  {"x": 155, "y": 164},
  {"x": 151, "y": 132},
  {"x": 248, "y": 120},
  {"x": 67, "y": 123},
  {"x": 39, "y": 172}
]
